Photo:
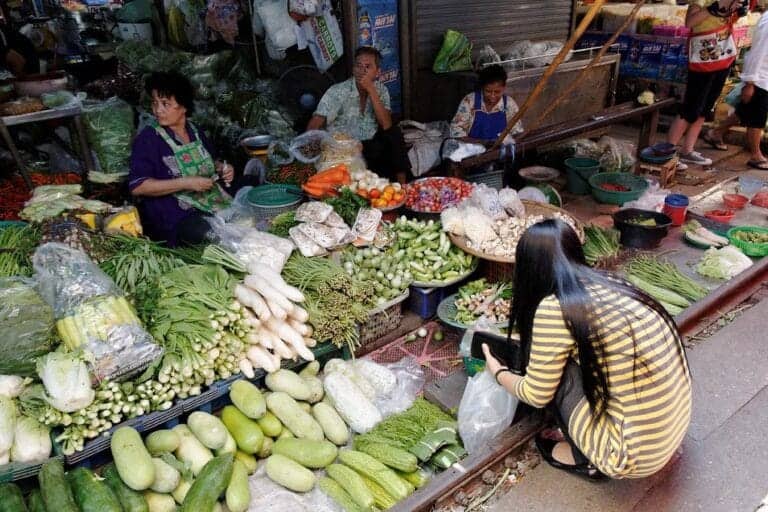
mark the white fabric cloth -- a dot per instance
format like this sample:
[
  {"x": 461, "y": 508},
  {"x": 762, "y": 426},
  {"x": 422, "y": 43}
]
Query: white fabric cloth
[{"x": 756, "y": 62}]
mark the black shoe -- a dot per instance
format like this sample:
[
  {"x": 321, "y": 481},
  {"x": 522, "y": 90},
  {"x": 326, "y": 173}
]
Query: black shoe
[{"x": 588, "y": 471}]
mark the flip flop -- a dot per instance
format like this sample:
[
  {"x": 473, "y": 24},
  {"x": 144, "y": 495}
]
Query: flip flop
[
  {"x": 588, "y": 471},
  {"x": 761, "y": 165},
  {"x": 716, "y": 144}
]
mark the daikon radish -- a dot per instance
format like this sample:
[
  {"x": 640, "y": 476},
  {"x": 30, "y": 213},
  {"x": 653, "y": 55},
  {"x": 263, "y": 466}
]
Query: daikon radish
[
  {"x": 280, "y": 347},
  {"x": 310, "y": 342},
  {"x": 277, "y": 311},
  {"x": 276, "y": 361},
  {"x": 247, "y": 368},
  {"x": 300, "y": 314},
  {"x": 270, "y": 294},
  {"x": 261, "y": 359},
  {"x": 299, "y": 327},
  {"x": 252, "y": 300},
  {"x": 278, "y": 283},
  {"x": 290, "y": 336},
  {"x": 252, "y": 320}
]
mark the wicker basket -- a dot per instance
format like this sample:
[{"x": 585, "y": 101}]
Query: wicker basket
[
  {"x": 498, "y": 272},
  {"x": 383, "y": 320}
]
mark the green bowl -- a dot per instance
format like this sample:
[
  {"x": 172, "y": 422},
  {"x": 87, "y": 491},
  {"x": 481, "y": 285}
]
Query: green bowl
[
  {"x": 274, "y": 196},
  {"x": 635, "y": 184},
  {"x": 750, "y": 249}
]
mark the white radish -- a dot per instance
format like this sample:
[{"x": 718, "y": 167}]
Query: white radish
[
  {"x": 253, "y": 300},
  {"x": 269, "y": 293},
  {"x": 277, "y": 311},
  {"x": 247, "y": 368},
  {"x": 299, "y": 327},
  {"x": 276, "y": 361},
  {"x": 300, "y": 314},
  {"x": 277, "y": 282},
  {"x": 251, "y": 319},
  {"x": 254, "y": 338},
  {"x": 261, "y": 359},
  {"x": 290, "y": 336},
  {"x": 278, "y": 345},
  {"x": 310, "y": 342}
]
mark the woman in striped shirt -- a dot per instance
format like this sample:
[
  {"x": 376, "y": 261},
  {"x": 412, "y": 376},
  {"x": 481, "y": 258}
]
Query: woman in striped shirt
[{"x": 604, "y": 357}]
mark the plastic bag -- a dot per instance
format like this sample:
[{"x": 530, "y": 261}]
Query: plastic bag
[
  {"x": 652, "y": 199},
  {"x": 304, "y": 7},
  {"x": 279, "y": 153},
  {"x": 367, "y": 224},
  {"x": 322, "y": 35},
  {"x": 240, "y": 211},
  {"x": 92, "y": 313},
  {"x": 62, "y": 99},
  {"x": 267, "y": 496},
  {"x": 511, "y": 202},
  {"x": 26, "y": 322},
  {"x": 59, "y": 159},
  {"x": 616, "y": 156},
  {"x": 252, "y": 247},
  {"x": 487, "y": 199},
  {"x": 314, "y": 211},
  {"x": 487, "y": 56},
  {"x": 305, "y": 244},
  {"x": 109, "y": 126},
  {"x": 307, "y": 147},
  {"x": 455, "y": 54},
  {"x": 341, "y": 149},
  {"x": 409, "y": 381},
  {"x": 278, "y": 25},
  {"x": 485, "y": 411}
]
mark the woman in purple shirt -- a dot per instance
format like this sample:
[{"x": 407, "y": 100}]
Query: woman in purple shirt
[{"x": 173, "y": 171}]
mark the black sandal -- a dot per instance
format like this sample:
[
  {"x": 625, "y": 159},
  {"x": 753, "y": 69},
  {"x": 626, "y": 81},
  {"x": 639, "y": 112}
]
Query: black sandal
[
  {"x": 715, "y": 143},
  {"x": 588, "y": 471}
]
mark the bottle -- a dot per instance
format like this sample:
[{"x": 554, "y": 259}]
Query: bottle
[{"x": 365, "y": 32}]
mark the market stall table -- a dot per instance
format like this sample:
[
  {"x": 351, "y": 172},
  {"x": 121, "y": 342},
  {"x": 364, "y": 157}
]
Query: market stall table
[{"x": 37, "y": 117}]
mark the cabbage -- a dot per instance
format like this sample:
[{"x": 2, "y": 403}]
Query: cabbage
[
  {"x": 31, "y": 442},
  {"x": 723, "y": 263},
  {"x": 7, "y": 425},
  {"x": 66, "y": 380},
  {"x": 11, "y": 386}
]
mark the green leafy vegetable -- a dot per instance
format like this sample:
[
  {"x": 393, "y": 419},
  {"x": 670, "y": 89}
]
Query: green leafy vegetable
[
  {"x": 26, "y": 324},
  {"x": 601, "y": 244},
  {"x": 347, "y": 204},
  {"x": 665, "y": 275}
]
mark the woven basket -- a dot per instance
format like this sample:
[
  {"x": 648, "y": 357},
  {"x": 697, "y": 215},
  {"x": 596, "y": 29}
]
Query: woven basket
[
  {"x": 383, "y": 320},
  {"x": 498, "y": 272}
]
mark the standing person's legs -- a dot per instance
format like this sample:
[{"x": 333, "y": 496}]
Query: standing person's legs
[
  {"x": 754, "y": 115},
  {"x": 754, "y": 139},
  {"x": 701, "y": 94}
]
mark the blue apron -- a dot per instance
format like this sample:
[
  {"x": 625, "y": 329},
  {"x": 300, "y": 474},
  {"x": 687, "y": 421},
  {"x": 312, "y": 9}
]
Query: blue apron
[{"x": 487, "y": 126}]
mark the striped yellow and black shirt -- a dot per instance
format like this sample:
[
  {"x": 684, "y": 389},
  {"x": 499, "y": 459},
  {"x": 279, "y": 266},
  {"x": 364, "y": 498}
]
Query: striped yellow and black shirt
[{"x": 649, "y": 405}]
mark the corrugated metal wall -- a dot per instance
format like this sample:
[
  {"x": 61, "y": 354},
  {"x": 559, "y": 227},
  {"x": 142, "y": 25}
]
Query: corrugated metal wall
[{"x": 487, "y": 22}]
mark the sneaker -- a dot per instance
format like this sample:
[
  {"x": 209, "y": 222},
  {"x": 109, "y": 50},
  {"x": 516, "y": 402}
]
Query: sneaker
[
  {"x": 695, "y": 158},
  {"x": 681, "y": 167}
]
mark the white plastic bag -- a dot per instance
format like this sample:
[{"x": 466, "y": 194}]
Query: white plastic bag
[
  {"x": 278, "y": 24},
  {"x": 486, "y": 409},
  {"x": 322, "y": 34}
]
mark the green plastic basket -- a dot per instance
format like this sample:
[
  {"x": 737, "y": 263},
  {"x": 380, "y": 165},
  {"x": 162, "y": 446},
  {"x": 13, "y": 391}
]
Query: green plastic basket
[
  {"x": 635, "y": 184},
  {"x": 578, "y": 171},
  {"x": 750, "y": 249},
  {"x": 269, "y": 201}
]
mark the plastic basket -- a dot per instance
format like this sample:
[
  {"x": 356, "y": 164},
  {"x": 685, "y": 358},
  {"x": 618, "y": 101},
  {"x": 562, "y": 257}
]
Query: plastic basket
[
  {"x": 635, "y": 184},
  {"x": 16, "y": 471},
  {"x": 383, "y": 320},
  {"x": 268, "y": 201},
  {"x": 750, "y": 249},
  {"x": 494, "y": 179}
]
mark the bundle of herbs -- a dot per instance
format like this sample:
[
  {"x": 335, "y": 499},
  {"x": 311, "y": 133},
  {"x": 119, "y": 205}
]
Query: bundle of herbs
[
  {"x": 335, "y": 301},
  {"x": 17, "y": 243},
  {"x": 602, "y": 245}
]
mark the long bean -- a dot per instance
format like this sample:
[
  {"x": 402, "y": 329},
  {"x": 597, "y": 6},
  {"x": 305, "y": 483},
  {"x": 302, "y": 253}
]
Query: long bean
[{"x": 665, "y": 275}]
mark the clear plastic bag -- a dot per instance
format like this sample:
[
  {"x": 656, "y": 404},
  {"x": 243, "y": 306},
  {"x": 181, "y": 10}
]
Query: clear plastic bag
[
  {"x": 267, "y": 496},
  {"x": 26, "y": 322},
  {"x": 487, "y": 199},
  {"x": 109, "y": 127},
  {"x": 251, "y": 246},
  {"x": 279, "y": 153},
  {"x": 240, "y": 212},
  {"x": 485, "y": 411},
  {"x": 314, "y": 211},
  {"x": 307, "y": 147},
  {"x": 340, "y": 148},
  {"x": 409, "y": 381},
  {"x": 92, "y": 313},
  {"x": 487, "y": 56}
]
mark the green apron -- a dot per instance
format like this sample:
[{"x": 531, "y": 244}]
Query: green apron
[{"x": 194, "y": 160}]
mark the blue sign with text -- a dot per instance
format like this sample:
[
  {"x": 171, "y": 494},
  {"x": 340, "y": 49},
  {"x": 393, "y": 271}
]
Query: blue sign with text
[{"x": 377, "y": 26}]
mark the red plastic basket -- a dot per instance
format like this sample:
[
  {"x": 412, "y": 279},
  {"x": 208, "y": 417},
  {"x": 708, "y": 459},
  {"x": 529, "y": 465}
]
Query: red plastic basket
[{"x": 437, "y": 358}]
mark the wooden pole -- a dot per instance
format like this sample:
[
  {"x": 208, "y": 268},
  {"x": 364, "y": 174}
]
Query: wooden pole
[
  {"x": 583, "y": 73},
  {"x": 531, "y": 99}
]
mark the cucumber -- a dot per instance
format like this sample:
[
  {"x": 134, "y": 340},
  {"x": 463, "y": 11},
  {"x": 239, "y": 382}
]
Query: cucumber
[
  {"x": 209, "y": 485},
  {"x": 54, "y": 488},
  {"x": 132, "y": 460},
  {"x": 308, "y": 453},
  {"x": 191, "y": 451},
  {"x": 180, "y": 492},
  {"x": 310, "y": 370},
  {"x": 353, "y": 483},
  {"x": 160, "y": 502},
  {"x": 293, "y": 417},
  {"x": 289, "y": 474},
  {"x": 11, "y": 499},
  {"x": 339, "y": 495},
  {"x": 266, "y": 448},
  {"x": 248, "y": 460},
  {"x": 132, "y": 501},
  {"x": 35, "y": 501},
  {"x": 333, "y": 426},
  {"x": 290, "y": 383},
  {"x": 91, "y": 493},
  {"x": 246, "y": 432},
  {"x": 238, "y": 495},
  {"x": 248, "y": 399},
  {"x": 208, "y": 429},
  {"x": 230, "y": 446},
  {"x": 166, "y": 477},
  {"x": 162, "y": 441},
  {"x": 270, "y": 425}
]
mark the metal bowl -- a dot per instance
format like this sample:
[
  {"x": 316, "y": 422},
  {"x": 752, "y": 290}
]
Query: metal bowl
[
  {"x": 256, "y": 142},
  {"x": 36, "y": 85}
]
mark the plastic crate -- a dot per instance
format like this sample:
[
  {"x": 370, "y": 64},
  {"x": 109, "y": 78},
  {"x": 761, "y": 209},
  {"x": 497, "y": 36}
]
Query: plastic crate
[
  {"x": 494, "y": 178},
  {"x": 424, "y": 301},
  {"x": 151, "y": 421}
]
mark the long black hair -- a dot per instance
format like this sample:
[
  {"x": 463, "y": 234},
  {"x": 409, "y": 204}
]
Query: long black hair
[{"x": 549, "y": 260}]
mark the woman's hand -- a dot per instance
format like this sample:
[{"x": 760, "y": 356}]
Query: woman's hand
[
  {"x": 198, "y": 183},
  {"x": 491, "y": 363}
]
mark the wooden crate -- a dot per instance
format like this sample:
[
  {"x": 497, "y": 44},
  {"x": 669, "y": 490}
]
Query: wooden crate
[{"x": 664, "y": 172}]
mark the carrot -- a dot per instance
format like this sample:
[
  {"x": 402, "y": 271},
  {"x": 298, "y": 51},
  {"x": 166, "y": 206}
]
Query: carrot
[{"x": 336, "y": 177}]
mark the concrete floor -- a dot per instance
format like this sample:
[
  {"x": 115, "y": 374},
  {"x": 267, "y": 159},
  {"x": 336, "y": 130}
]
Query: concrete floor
[{"x": 723, "y": 463}]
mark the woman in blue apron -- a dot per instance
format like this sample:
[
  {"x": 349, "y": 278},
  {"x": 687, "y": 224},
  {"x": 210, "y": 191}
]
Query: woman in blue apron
[
  {"x": 483, "y": 114},
  {"x": 172, "y": 169}
]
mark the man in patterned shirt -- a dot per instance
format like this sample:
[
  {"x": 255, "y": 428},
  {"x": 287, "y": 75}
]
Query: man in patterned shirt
[{"x": 360, "y": 108}]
